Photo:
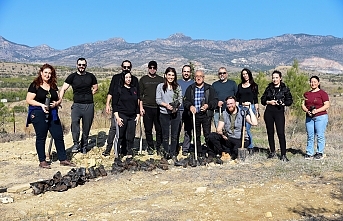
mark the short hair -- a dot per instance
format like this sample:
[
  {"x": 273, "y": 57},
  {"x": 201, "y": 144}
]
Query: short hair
[
  {"x": 222, "y": 68},
  {"x": 81, "y": 59},
  {"x": 230, "y": 97},
  {"x": 122, "y": 64},
  {"x": 186, "y": 65}
]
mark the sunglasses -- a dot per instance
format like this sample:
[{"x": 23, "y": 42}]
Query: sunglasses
[
  {"x": 126, "y": 67},
  {"x": 83, "y": 65},
  {"x": 153, "y": 68},
  {"x": 221, "y": 73}
]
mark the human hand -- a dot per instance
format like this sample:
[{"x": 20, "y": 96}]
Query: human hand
[
  {"x": 193, "y": 109},
  {"x": 204, "y": 107},
  {"x": 120, "y": 122},
  {"x": 220, "y": 103}
]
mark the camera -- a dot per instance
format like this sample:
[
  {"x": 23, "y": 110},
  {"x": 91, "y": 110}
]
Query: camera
[{"x": 310, "y": 110}]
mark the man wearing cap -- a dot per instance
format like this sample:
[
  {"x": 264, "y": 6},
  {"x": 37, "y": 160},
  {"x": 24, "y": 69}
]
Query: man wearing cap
[
  {"x": 149, "y": 108},
  {"x": 113, "y": 90},
  {"x": 224, "y": 88}
]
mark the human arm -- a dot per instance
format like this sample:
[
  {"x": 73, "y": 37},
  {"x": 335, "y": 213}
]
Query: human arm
[
  {"x": 219, "y": 129},
  {"x": 119, "y": 120},
  {"x": 159, "y": 98},
  {"x": 30, "y": 100},
  {"x": 108, "y": 105},
  {"x": 63, "y": 90},
  {"x": 94, "y": 88},
  {"x": 251, "y": 117}
]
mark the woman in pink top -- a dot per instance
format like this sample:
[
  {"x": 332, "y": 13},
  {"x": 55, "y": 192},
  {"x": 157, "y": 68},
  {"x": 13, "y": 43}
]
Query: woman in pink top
[{"x": 315, "y": 105}]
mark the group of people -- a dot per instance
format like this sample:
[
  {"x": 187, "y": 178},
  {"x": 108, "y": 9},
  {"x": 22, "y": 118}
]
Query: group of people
[{"x": 168, "y": 104}]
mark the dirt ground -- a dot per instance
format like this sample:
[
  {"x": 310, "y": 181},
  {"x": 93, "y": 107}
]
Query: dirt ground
[{"x": 257, "y": 189}]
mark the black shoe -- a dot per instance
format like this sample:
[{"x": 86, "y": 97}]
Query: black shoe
[
  {"x": 318, "y": 156},
  {"x": 284, "y": 158},
  {"x": 75, "y": 148},
  {"x": 106, "y": 153},
  {"x": 150, "y": 150},
  {"x": 84, "y": 150},
  {"x": 271, "y": 155},
  {"x": 251, "y": 151}
]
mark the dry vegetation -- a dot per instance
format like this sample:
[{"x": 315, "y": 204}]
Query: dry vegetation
[{"x": 297, "y": 190}]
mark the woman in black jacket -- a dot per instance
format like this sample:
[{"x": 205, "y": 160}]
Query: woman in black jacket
[
  {"x": 276, "y": 96},
  {"x": 126, "y": 112}
]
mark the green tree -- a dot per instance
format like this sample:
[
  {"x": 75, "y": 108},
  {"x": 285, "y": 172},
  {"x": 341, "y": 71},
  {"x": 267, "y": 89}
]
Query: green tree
[
  {"x": 261, "y": 81},
  {"x": 192, "y": 69},
  {"x": 101, "y": 96},
  {"x": 298, "y": 84}
]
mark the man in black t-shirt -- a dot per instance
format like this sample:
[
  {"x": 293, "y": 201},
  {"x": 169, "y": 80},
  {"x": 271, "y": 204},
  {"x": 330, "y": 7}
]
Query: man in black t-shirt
[
  {"x": 84, "y": 86},
  {"x": 126, "y": 67}
]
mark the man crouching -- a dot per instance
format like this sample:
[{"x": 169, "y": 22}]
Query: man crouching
[{"x": 228, "y": 137}]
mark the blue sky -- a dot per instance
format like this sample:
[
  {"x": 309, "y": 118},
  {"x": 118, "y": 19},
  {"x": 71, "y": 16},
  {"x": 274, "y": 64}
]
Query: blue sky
[{"x": 65, "y": 23}]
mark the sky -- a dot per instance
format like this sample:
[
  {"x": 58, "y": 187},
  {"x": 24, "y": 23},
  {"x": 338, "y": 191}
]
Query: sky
[{"x": 65, "y": 23}]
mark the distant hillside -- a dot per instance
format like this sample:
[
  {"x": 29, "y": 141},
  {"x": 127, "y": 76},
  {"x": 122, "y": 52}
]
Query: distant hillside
[{"x": 320, "y": 53}]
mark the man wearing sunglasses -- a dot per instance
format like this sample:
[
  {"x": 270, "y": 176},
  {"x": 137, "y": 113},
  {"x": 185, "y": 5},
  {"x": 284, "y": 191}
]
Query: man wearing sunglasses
[
  {"x": 149, "y": 108},
  {"x": 224, "y": 88},
  {"x": 84, "y": 86},
  {"x": 112, "y": 94}
]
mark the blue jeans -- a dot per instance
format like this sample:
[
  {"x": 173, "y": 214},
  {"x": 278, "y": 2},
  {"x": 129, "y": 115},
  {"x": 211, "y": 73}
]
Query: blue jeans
[
  {"x": 316, "y": 126},
  {"x": 248, "y": 126}
]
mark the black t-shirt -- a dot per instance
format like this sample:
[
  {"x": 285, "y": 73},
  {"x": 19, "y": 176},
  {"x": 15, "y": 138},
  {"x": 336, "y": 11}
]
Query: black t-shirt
[
  {"x": 127, "y": 101},
  {"x": 82, "y": 87},
  {"x": 41, "y": 93}
]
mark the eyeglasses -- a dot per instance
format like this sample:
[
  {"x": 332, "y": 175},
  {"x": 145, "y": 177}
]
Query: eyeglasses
[
  {"x": 126, "y": 67},
  {"x": 83, "y": 65},
  {"x": 153, "y": 68},
  {"x": 199, "y": 76},
  {"x": 221, "y": 73}
]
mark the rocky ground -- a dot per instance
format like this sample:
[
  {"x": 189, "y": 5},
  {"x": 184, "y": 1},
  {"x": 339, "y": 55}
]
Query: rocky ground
[{"x": 257, "y": 189}]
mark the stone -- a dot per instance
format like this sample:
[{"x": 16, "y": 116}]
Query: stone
[
  {"x": 19, "y": 188},
  {"x": 6, "y": 199},
  {"x": 268, "y": 214},
  {"x": 201, "y": 190}
]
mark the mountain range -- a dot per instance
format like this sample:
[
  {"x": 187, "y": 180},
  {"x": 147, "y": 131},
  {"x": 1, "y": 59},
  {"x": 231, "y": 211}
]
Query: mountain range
[{"x": 313, "y": 52}]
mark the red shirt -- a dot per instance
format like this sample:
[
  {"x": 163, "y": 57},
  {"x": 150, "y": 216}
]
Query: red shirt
[{"x": 316, "y": 99}]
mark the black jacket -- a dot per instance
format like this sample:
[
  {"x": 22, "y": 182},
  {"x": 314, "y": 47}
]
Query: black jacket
[
  {"x": 116, "y": 84},
  {"x": 280, "y": 94},
  {"x": 211, "y": 98}
]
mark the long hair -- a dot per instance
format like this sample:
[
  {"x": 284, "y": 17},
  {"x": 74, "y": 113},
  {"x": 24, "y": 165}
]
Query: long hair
[
  {"x": 251, "y": 79},
  {"x": 174, "y": 84},
  {"x": 53, "y": 79},
  {"x": 122, "y": 80}
]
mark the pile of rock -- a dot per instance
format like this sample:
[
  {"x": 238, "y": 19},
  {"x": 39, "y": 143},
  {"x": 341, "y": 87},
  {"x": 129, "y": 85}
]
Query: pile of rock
[
  {"x": 75, "y": 177},
  {"x": 132, "y": 164}
]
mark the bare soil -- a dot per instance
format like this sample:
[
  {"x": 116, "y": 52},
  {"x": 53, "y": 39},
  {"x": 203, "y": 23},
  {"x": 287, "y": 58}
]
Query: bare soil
[{"x": 257, "y": 189}]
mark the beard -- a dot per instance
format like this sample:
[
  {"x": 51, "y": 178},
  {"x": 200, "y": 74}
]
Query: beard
[{"x": 81, "y": 70}]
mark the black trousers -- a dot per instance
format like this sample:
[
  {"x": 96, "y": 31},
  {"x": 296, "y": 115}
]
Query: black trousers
[
  {"x": 152, "y": 118},
  {"x": 217, "y": 144},
  {"x": 127, "y": 133},
  {"x": 202, "y": 120},
  {"x": 186, "y": 120},
  {"x": 276, "y": 116}
]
